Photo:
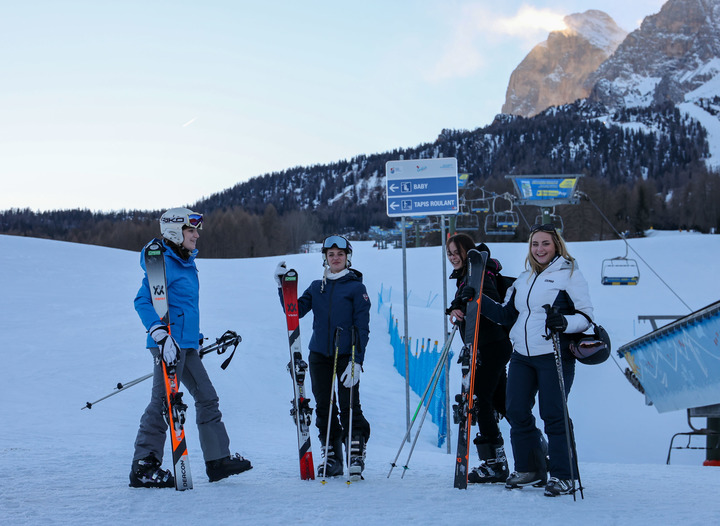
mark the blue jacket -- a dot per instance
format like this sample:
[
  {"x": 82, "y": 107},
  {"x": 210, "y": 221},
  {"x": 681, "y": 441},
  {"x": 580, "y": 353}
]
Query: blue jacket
[
  {"x": 343, "y": 303},
  {"x": 183, "y": 289}
]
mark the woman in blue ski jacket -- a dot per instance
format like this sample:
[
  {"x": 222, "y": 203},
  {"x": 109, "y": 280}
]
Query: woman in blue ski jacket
[
  {"x": 552, "y": 278},
  {"x": 177, "y": 344},
  {"x": 341, "y": 320}
]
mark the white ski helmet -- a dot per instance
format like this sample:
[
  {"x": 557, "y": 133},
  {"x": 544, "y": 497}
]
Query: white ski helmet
[
  {"x": 173, "y": 221},
  {"x": 337, "y": 242}
]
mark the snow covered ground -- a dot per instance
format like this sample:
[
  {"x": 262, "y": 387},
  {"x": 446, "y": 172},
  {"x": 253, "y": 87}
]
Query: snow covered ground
[{"x": 70, "y": 334}]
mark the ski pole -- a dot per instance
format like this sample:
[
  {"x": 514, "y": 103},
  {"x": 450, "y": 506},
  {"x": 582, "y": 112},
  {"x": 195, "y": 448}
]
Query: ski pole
[
  {"x": 352, "y": 389},
  {"x": 422, "y": 420},
  {"x": 221, "y": 345},
  {"x": 569, "y": 435},
  {"x": 433, "y": 378},
  {"x": 332, "y": 403}
]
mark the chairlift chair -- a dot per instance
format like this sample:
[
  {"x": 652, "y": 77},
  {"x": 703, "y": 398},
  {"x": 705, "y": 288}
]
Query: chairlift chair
[
  {"x": 479, "y": 206},
  {"x": 620, "y": 270},
  {"x": 501, "y": 223},
  {"x": 467, "y": 223}
]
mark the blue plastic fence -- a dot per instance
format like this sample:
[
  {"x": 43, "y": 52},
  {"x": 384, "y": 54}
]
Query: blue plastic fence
[{"x": 422, "y": 362}]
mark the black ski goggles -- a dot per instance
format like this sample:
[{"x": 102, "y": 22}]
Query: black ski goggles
[
  {"x": 547, "y": 227},
  {"x": 335, "y": 241}
]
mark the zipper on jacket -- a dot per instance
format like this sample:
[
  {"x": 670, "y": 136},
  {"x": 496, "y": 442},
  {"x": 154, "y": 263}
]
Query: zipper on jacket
[
  {"x": 527, "y": 318},
  {"x": 330, "y": 329}
]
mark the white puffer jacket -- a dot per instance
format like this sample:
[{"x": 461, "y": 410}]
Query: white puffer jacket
[{"x": 533, "y": 291}]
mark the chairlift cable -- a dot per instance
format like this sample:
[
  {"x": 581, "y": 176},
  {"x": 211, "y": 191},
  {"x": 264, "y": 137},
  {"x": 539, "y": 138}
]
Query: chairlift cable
[{"x": 628, "y": 246}]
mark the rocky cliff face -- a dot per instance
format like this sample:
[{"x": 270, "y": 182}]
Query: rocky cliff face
[
  {"x": 556, "y": 71},
  {"x": 671, "y": 54}
]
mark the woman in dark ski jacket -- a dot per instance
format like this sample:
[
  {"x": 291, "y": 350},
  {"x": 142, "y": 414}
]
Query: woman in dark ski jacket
[
  {"x": 552, "y": 277},
  {"x": 494, "y": 349},
  {"x": 338, "y": 301}
]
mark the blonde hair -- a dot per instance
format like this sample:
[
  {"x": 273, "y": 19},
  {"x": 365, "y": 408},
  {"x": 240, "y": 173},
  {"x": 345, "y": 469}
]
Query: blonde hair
[{"x": 560, "y": 249}]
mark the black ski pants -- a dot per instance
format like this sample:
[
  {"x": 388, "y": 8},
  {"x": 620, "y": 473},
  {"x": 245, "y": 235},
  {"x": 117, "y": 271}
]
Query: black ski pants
[
  {"x": 490, "y": 382},
  {"x": 528, "y": 377},
  {"x": 321, "y": 373}
]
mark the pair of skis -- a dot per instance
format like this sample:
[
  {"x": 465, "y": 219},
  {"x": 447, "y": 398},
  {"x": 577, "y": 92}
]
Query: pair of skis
[
  {"x": 155, "y": 268},
  {"x": 464, "y": 408},
  {"x": 301, "y": 410}
]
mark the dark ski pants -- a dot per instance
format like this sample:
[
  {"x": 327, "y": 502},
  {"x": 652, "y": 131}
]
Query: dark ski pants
[
  {"x": 321, "y": 373},
  {"x": 529, "y": 376},
  {"x": 213, "y": 437},
  {"x": 490, "y": 385}
]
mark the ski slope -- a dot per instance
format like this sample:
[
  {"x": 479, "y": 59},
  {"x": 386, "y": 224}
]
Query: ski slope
[{"x": 70, "y": 334}]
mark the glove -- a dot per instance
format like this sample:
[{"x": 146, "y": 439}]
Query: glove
[
  {"x": 555, "y": 322},
  {"x": 456, "y": 304},
  {"x": 467, "y": 294},
  {"x": 349, "y": 379},
  {"x": 167, "y": 344},
  {"x": 280, "y": 271}
]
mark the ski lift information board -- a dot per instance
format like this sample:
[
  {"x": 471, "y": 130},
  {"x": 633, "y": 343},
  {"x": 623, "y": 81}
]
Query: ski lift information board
[
  {"x": 422, "y": 187},
  {"x": 545, "y": 190}
]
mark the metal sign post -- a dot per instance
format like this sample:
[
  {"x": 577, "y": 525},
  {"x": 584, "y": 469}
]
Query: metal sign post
[{"x": 418, "y": 188}]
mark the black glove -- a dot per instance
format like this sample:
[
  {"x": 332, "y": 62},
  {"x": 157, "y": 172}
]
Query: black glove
[
  {"x": 467, "y": 294},
  {"x": 555, "y": 322},
  {"x": 455, "y": 304}
]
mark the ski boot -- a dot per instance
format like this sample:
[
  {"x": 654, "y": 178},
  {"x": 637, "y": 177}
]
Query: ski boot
[
  {"x": 537, "y": 477},
  {"x": 333, "y": 461},
  {"x": 493, "y": 461},
  {"x": 147, "y": 473},
  {"x": 357, "y": 457},
  {"x": 225, "y": 467}
]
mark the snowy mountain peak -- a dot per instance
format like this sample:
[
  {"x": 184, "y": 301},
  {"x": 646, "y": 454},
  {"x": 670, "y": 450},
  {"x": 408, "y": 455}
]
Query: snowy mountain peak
[
  {"x": 555, "y": 71},
  {"x": 672, "y": 53},
  {"x": 598, "y": 28}
]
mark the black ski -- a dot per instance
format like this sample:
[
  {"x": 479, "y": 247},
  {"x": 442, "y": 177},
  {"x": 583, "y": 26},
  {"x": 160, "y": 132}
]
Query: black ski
[
  {"x": 175, "y": 410},
  {"x": 301, "y": 410},
  {"x": 464, "y": 410}
]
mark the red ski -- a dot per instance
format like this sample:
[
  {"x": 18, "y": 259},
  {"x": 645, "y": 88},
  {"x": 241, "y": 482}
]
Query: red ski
[{"x": 301, "y": 410}]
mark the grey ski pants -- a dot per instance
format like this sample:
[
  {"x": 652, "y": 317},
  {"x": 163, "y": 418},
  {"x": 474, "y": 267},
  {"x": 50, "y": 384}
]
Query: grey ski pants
[{"x": 214, "y": 439}]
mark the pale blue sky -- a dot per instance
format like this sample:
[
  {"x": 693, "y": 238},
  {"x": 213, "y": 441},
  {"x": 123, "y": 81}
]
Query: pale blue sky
[{"x": 153, "y": 104}]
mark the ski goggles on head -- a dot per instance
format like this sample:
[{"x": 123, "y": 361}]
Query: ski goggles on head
[
  {"x": 194, "y": 220},
  {"x": 547, "y": 227},
  {"x": 335, "y": 241}
]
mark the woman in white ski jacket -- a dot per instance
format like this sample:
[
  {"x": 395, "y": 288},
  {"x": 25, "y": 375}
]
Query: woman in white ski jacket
[{"x": 552, "y": 278}]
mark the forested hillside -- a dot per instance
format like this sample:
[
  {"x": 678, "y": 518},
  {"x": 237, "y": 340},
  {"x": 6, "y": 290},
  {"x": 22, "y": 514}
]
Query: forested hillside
[{"x": 643, "y": 167}]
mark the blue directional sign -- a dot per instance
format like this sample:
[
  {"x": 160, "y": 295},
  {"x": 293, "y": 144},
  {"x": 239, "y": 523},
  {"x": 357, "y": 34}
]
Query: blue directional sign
[{"x": 422, "y": 187}]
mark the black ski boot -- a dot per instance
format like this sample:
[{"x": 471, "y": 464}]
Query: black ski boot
[
  {"x": 493, "y": 461},
  {"x": 357, "y": 457},
  {"x": 334, "y": 459},
  {"x": 225, "y": 467},
  {"x": 537, "y": 477},
  {"x": 147, "y": 473}
]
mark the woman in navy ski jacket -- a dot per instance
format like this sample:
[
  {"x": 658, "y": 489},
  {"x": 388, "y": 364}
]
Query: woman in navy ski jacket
[
  {"x": 552, "y": 278},
  {"x": 341, "y": 310},
  {"x": 494, "y": 351}
]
